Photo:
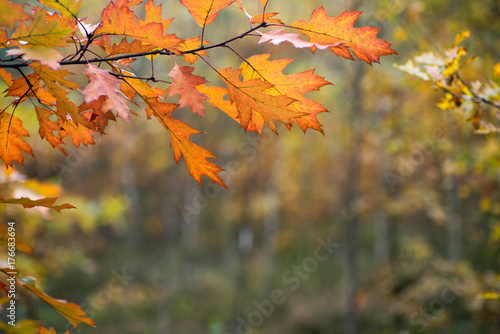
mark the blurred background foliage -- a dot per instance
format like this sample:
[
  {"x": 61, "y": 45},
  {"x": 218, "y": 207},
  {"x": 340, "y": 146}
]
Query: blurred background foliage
[{"x": 408, "y": 192}]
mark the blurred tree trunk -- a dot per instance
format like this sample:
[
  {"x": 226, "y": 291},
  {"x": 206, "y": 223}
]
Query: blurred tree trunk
[
  {"x": 454, "y": 220},
  {"x": 351, "y": 216}
]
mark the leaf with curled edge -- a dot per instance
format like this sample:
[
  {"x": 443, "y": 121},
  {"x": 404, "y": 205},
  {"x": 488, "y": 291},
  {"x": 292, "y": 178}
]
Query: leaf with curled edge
[
  {"x": 278, "y": 36},
  {"x": 361, "y": 41},
  {"x": 11, "y": 139},
  {"x": 44, "y": 202},
  {"x": 205, "y": 12}
]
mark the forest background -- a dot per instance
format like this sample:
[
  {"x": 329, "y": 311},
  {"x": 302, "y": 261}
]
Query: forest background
[{"x": 402, "y": 197}]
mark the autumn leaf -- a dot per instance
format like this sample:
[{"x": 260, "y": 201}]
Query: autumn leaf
[
  {"x": 277, "y": 36},
  {"x": 11, "y": 139},
  {"x": 120, "y": 20},
  {"x": 195, "y": 156},
  {"x": 293, "y": 86},
  {"x": 72, "y": 312},
  {"x": 67, "y": 8},
  {"x": 191, "y": 44},
  {"x": 22, "y": 327},
  {"x": 79, "y": 134},
  {"x": 185, "y": 84},
  {"x": 44, "y": 30},
  {"x": 44, "y": 202},
  {"x": 332, "y": 30},
  {"x": 267, "y": 18},
  {"x": 47, "y": 126},
  {"x": 205, "y": 11},
  {"x": 11, "y": 13},
  {"x": 104, "y": 84},
  {"x": 45, "y": 55},
  {"x": 249, "y": 97},
  {"x": 56, "y": 83}
]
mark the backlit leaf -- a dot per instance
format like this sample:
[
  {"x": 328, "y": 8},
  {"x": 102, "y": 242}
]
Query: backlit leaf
[
  {"x": 185, "y": 85},
  {"x": 205, "y": 11},
  {"x": 11, "y": 139},
  {"x": 332, "y": 30}
]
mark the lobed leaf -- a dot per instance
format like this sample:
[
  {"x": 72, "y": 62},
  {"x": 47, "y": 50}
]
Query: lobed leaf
[
  {"x": 11, "y": 139},
  {"x": 333, "y": 30},
  {"x": 205, "y": 12}
]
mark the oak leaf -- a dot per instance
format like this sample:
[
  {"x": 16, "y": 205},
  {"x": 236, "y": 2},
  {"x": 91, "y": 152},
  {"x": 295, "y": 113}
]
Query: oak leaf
[
  {"x": 293, "y": 85},
  {"x": 191, "y": 44},
  {"x": 277, "y": 36},
  {"x": 67, "y": 8},
  {"x": 56, "y": 83},
  {"x": 11, "y": 13},
  {"x": 45, "y": 55},
  {"x": 44, "y": 202},
  {"x": 104, "y": 84},
  {"x": 250, "y": 97},
  {"x": 332, "y": 30},
  {"x": 11, "y": 139},
  {"x": 185, "y": 84},
  {"x": 120, "y": 20},
  {"x": 44, "y": 30},
  {"x": 205, "y": 12},
  {"x": 195, "y": 156},
  {"x": 72, "y": 312},
  {"x": 47, "y": 126}
]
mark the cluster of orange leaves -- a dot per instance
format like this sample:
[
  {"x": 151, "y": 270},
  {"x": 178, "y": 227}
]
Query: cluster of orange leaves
[
  {"x": 262, "y": 97},
  {"x": 38, "y": 41}
]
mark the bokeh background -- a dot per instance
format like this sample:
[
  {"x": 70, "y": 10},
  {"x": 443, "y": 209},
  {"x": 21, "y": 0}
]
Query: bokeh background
[{"x": 403, "y": 197}]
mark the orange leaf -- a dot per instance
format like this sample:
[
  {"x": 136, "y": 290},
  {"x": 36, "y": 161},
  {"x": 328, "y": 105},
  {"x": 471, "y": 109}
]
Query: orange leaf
[
  {"x": 191, "y": 44},
  {"x": 185, "y": 85},
  {"x": 249, "y": 98},
  {"x": 53, "y": 80},
  {"x": 45, "y": 202},
  {"x": 332, "y": 30},
  {"x": 293, "y": 85},
  {"x": 47, "y": 126},
  {"x": 11, "y": 139},
  {"x": 216, "y": 99},
  {"x": 11, "y": 13},
  {"x": 120, "y": 20},
  {"x": 180, "y": 133},
  {"x": 72, "y": 312},
  {"x": 78, "y": 133},
  {"x": 267, "y": 18},
  {"x": 205, "y": 11},
  {"x": 104, "y": 84}
]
